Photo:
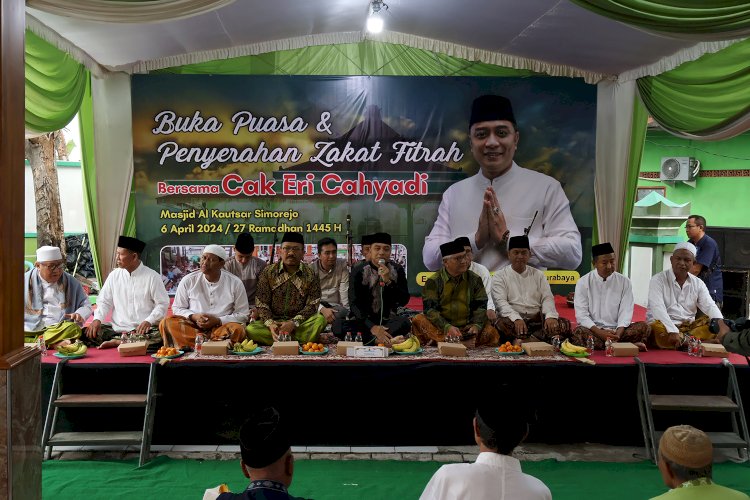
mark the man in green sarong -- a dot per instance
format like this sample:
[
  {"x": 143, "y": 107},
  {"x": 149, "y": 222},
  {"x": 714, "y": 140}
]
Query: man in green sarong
[
  {"x": 55, "y": 304},
  {"x": 288, "y": 297}
]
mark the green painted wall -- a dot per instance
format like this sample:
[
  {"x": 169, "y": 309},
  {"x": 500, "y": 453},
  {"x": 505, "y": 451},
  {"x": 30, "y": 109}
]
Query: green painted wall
[{"x": 723, "y": 201}]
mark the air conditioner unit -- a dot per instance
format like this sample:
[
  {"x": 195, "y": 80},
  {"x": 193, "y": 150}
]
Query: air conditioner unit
[{"x": 678, "y": 168}]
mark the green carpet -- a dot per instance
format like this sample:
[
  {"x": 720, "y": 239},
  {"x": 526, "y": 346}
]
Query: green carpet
[{"x": 166, "y": 479}]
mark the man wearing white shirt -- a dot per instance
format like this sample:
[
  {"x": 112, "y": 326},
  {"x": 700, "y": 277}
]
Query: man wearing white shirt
[
  {"x": 674, "y": 297},
  {"x": 604, "y": 304},
  {"x": 133, "y": 293},
  {"x": 503, "y": 199},
  {"x": 495, "y": 474},
  {"x": 211, "y": 301},
  {"x": 483, "y": 273},
  {"x": 524, "y": 299}
]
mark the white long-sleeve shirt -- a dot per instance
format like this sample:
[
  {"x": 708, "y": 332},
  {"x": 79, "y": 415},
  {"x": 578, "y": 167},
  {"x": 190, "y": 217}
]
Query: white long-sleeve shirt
[
  {"x": 525, "y": 294},
  {"x": 604, "y": 304},
  {"x": 133, "y": 298},
  {"x": 674, "y": 305},
  {"x": 492, "y": 476},
  {"x": 484, "y": 273},
  {"x": 554, "y": 237},
  {"x": 226, "y": 299}
]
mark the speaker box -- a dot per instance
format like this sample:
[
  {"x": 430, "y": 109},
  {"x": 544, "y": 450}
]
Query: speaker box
[
  {"x": 734, "y": 246},
  {"x": 736, "y": 292}
]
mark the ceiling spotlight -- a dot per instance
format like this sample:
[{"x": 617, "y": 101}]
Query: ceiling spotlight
[{"x": 375, "y": 19}]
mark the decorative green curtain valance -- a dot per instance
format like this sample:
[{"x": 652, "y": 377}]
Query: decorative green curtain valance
[
  {"x": 708, "y": 98},
  {"x": 55, "y": 84},
  {"x": 695, "y": 19}
]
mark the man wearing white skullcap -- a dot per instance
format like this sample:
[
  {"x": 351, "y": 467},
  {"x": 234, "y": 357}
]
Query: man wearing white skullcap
[
  {"x": 686, "y": 466},
  {"x": 674, "y": 297},
  {"x": 211, "y": 301},
  {"x": 55, "y": 304}
]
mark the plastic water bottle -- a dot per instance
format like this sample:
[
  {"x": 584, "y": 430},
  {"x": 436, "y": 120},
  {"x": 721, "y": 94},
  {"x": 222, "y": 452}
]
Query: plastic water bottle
[
  {"x": 692, "y": 346},
  {"x": 198, "y": 344},
  {"x": 348, "y": 337},
  {"x": 609, "y": 348},
  {"x": 358, "y": 338},
  {"x": 41, "y": 345},
  {"x": 590, "y": 344},
  {"x": 698, "y": 348},
  {"x": 556, "y": 343}
]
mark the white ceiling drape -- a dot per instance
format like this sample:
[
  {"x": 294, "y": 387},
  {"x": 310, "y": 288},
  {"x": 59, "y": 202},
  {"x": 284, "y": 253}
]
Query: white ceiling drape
[{"x": 108, "y": 11}]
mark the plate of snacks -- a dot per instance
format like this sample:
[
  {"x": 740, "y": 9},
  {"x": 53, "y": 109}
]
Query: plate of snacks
[
  {"x": 313, "y": 349},
  {"x": 508, "y": 349},
  {"x": 168, "y": 353},
  {"x": 246, "y": 348}
]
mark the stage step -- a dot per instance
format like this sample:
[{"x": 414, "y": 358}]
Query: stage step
[
  {"x": 59, "y": 401},
  {"x": 96, "y": 438},
  {"x": 94, "y": 400},
  {"x": 692, "y": 402},
  {"x": 720, "y": 439},
  {"x": 729, "y": 403}
]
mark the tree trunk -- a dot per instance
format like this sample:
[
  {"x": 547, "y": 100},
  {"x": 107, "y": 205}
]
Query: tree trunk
[
  {"x": 61, "y": 149},
  {"x": 40, "y": 151}
]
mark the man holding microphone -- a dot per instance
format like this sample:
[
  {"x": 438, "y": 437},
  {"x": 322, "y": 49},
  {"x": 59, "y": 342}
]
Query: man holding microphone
[{"x": 377, "y": 288}]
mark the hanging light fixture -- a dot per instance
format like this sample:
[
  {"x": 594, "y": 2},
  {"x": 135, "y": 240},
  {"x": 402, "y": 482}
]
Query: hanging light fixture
[{"x": 375, "y": 19}]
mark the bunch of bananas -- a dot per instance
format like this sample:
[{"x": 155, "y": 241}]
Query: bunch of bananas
[
  {"x": 245, "y": 346},
  {"x": 568, "y": 348},
  {"x": 77, "y": 348},
  {"x": 410, "y": 345}
]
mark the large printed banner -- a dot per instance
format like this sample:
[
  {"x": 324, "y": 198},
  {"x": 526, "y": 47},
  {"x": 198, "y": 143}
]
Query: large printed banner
[{"x": 218, "y": 155}]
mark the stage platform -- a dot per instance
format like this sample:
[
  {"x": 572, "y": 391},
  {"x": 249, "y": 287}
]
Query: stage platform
[{"x": 398, "y": 401}]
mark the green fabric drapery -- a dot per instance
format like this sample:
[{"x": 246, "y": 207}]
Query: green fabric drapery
[
  {"x": 695, "y": 18},
  {"x": 363, "y": 58},
  {"x": 55, "y": 84},
  {"x": 702, "y": 97},
  {"x": 637, "y": 141},
  {"x": 88, "y": 168}
]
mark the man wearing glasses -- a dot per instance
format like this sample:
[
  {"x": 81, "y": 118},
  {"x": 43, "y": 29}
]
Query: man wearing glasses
[
  {"x": 211, "y": 302},
  {"x": 455, "y": 303},
  {"x": 288, "y": 297},
  {"x": 707, "y": 265},
  {"x": 55, "y": 304}
]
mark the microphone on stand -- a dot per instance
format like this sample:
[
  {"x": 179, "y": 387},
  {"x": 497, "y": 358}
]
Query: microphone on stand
[{"x": 381, "y": 262}]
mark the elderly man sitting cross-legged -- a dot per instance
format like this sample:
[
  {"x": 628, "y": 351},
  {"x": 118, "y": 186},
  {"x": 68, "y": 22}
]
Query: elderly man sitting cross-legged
[
  {"x": 55, "y": 304},
  {"x": 524, "y": 299},
  {"x": 455, "y": 303},
  {"x": 674, "y": 297},
  {"x": 604, "y": 304},
  {"x": 288, "y": 297},
  {"x": 211, "y": 301}
]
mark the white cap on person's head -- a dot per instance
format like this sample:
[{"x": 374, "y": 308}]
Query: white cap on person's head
[
  {"x": 686, "y": 245},
  {"x": 216, "y": 250},
  {"x": 48, "y": 254}
]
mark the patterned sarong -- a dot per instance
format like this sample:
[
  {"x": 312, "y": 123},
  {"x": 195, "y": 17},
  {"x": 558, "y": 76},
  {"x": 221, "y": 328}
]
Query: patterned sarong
[
  {"x": 429, "y": 334},
  {"x": 178, "y": 331},
  {"x": 307, "y": 331}
]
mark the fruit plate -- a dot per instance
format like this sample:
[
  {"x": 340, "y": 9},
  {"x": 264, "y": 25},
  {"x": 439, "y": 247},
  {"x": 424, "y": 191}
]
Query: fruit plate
[
  {"x": 404, "y": 353},
  {"x": 68, "y": 356},
  {"x": 179, "y": 353},
  {"x": 575, "y": 354},
  {"x": 255, "y": 351},
  {"x": 314, "y": 353},
  {"x": 497, "y": 350}
]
